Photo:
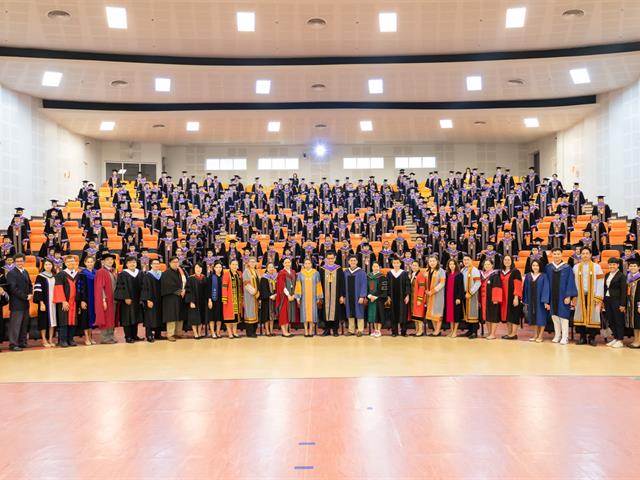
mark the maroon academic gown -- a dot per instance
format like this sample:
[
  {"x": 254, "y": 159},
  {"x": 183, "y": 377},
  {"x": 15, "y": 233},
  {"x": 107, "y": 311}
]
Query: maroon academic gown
[{"x": 102, "y": 283}]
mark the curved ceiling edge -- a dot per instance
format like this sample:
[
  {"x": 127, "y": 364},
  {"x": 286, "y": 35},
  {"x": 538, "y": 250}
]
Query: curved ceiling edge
[
  {"x": 169, "y": 107},
  {"x": 299, "y": 61}
]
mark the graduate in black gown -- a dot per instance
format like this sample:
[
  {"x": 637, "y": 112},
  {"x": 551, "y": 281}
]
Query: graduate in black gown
[
  {"x": 128, "y": 290},
  {"x": 267, "y": 288},
  {"x": 399, "y": 290},
  {"x": 215, "y": 300},
  {"x": 333, "y": 286},
  {"x": 196, "y": 298},
  {"x": 152, "y": 302}
]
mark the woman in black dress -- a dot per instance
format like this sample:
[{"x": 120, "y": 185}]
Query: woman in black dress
[
  {"x": 196, "y": 299},
  {"x": 215, "y": 300},
  {"x": 172, "y": 288}
]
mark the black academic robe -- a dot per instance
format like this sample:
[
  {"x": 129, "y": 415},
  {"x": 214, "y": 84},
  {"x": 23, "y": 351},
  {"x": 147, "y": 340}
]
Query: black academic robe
[
  {"x": 340, "y": 313},
  {"x": 129, "y": 287},
  {"x": 458, "y": 294},
  {"x": 399, "y": 288},
  {"x": 267, "y": 288},
  {"x": 489, "y": 297},
  {"x": 197, "y": 292},
  {"x": 151, "y": 293}
]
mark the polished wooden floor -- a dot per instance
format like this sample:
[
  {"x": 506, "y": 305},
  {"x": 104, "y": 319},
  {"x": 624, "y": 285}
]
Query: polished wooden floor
[
  {"x": 321, "y": 408},
  {"x": 317, "y": 357},
  {"x": 366, "y": 428}
]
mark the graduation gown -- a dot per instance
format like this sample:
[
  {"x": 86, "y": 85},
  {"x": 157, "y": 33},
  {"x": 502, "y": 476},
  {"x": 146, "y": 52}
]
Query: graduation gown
[
  {"x": 632, "y": 317},
  {"x": 85, "y": 293},
  {"x": 490, "y": 297},
  {"x": 308, "y": 292},
  {"x": 251, "y": 295},
  {"x": 377, "y": 286},
  {"x": 511, "y": 283},
  {"x": 287, "y": 310},
  {"x": 355, "y": 285},
  {"x": 418, "y": 295},
  {"x": 151, "y": 292},
  {"x": 232, "y": 296},
  {"x": 332, "y": 279},
  {"x": 453, "y": 290},
  {"x": 471, "y": 283},
  {"x": 562, "y": 285},
  {"x": 435, "y": 302},
  {"x": 267, "y": 288},
  {"x": 65, "y": 291},
  {"x": 171, "y": 284},
  {"x": 129, "y": 287},
  {"x": 43, "y": 290},
  {"x": 587, "y": 312},
  {"x": 399, "y": 288},
  {"x": 535, "y": 295},
  {"x": 196, "y": 292},
  {"x": 103, "y": 287}
]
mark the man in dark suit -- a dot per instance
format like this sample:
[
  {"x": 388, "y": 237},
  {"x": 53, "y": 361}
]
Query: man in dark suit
[{"x": 20, "y": 294}]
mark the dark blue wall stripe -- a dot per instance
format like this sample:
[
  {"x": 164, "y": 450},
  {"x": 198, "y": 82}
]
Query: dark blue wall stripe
[
  {"x": 169, "y": 107},
  {"x": 284, "y": 61}
]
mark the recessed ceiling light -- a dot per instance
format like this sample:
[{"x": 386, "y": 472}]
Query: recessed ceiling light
[
  {"x": 388, "y": 22},
  {"x": 376, "y": 86},
  {"x": 531, "y": 122},
  {"x": 515, "y": 81},
  {"x": 193, "y": 126},
  {"x": 580, "y": 76},
  {"x": 119, "y": 83},
  {"x": 574, "y": 12},
  {"x": 163, "y": 84},
  {"x": 273, "y": 127},
  {"x": 516, "y": 17},
  {"x": 446, "y": 123},
  {"x": 263, "y": 87},
  {"x": 479, "y": 122},
  {"x": 320, "y": 125},
  {"x": 51, "y": 79},
  {"x": 474, "y": 83},
  {"x": 246, "y": 21},
  {"x": 320, "y": 150},
  {"x": 317, "y": 22},
  {"x": 159, "y": 125},
  {"x": 318, "y": 86},
  {"x": 117, "y": 17},
  {"x": 366, "y": 125},
  {"x": 107, "y": 126},
  {"x": 59, "y": 14}
]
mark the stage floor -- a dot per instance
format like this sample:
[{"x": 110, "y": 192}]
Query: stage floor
[
  {"x": 367, "y": 428},
  {"x": 318, "y": 357}
]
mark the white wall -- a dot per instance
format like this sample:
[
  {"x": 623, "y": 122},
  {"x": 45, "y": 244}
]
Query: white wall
[
  {"x": 449, "y": 157},
  {"x": 548, "y": 148},
  {"x": 39, "y": 160},
  {"x": 602, "y": 152},
  {"x": 130, "y": 152}
]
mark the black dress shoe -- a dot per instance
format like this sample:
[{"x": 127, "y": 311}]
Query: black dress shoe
[
  {"x": 23, "y": 346},
  {"x": 468, "y": 334},
  {"x": 336, "y": 334},
  {"x": 582, "y": 340},
  {"x": 472, "y": 336},
  {"x": 73, "y": 344},
  {"x": 150, "y": 339},
  {"x": 14, "y": 348},
  {"x": 394, "y": 334},
  {"x": 326, "y": 333},
  {"x": 593, "y": 342},
  {"x": 63, "y": 344},
  {"x": 137, "y": 339},
  {"x": 130, "y": 340}
]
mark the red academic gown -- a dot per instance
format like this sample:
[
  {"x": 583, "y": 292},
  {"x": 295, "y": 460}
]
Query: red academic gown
[
  {"x": 65, "y": 291},
  {"x": 227, "y": 292},
  {"x": 102, "y": 283},
  {"x": 418, "y": 296},
  {"x": 511, "y": 287},
  {"x": 490, "y": 297},
  {"x": 282, "y": 302}
]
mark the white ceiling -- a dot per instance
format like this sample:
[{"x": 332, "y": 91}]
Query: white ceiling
[
  {"x": 544, "y": 78},
  {"x": 208, "y": 28},
  {"x": 343, "y": 126}
]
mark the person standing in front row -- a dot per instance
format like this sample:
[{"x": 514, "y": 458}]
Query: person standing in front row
[
  {"x": 436, "y": 278},
  {"x": 268, "y": 313},
  {"x": 332, "y": 278},
  {"x": 535, "y": 296},
  {"x": 151, "y": 299},
  {"x": 588, "y": 303},
  {"x": 615, "y": 301},
  {"x": 632, "y": 318},
  {"x": 106, "y": 309},
  {"x": 232, "y": 298},
  {"x": 43, "y": 298},
  {"x": 355, "y": 286},
  {"x": 20, "y": 294},
  {"x": 454, "y": 297},
  {"x": 251, "y": 294},
  {"x": 128, "y": 289},
  {"x": 398, "y": 298},
  {"x": 196, "y": 297},
  {"x": 86, "y": 299},
  {"x": 65, "y": 298},
  {"x": 172, "y": 288},
  {"x": 377, "y": 291},
  {"x": 285, "y": 300},
  {"x": 308, "y": 294},
  {"x": 562, "y": 289},
  {"x": 471, "y": 282},
  {"x": 215, "y": 301},
  {"x": 418, "y": 300}
]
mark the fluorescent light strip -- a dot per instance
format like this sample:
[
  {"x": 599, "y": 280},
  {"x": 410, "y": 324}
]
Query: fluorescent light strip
[
  {"x": 446, "y": 123},
  {"x": 107, "y": 126},
  {"x": 193, "y": 126},
  {"x": 474, "y": 83},
  {"x": 580, "y": 76},
  {"x": 388, "y": 22},
  {"x": 117, "y": 17},
  {"x": 246, "y": 21},
  {"x": 273, "y": 127},
  {"x": 263, "y": 87},
  {"x": 516, "y": 17},
  {"x": 51, "y": 79},
  {"x": 376, "y": 86},
  {"x": 531, "y": 122}
]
